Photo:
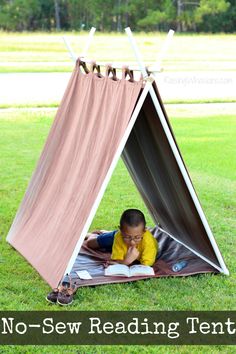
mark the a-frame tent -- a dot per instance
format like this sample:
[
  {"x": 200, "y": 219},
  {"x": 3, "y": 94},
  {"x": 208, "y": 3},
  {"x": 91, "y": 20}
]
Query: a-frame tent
[{"x": 100, "y": 118}]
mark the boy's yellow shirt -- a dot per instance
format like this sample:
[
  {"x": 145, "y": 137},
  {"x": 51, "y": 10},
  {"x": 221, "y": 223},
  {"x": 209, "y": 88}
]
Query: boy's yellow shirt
[{"x": 147, "y": 248}]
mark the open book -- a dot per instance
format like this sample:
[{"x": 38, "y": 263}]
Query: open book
[{"x": 125, "y": 271}]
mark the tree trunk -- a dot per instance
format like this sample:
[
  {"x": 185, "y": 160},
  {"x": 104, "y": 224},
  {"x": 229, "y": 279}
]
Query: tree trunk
[
  {"x": 118, "y": 17},
  {"x": 57, "y": 15},
  {"x": 179, "y": 12},
  {"x": 126, "y": 14}
]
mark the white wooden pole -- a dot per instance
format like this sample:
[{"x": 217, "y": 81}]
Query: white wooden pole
[
  {"x": 164, "y": 49},
  {"x": 70, "y": 50},
  {"x": 178, "y": 157},
  {"x": 90, "y": 37},
  {"x": 108, "y": 175},
  {"x": 72, "y": 54}
]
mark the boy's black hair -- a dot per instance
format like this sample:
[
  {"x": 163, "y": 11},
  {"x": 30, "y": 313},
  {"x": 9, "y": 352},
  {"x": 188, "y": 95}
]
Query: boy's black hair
[{"x": 132, "y": 217}]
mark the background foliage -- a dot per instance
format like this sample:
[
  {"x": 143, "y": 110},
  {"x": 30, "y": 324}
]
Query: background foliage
[{"x": 114, "y": 15}]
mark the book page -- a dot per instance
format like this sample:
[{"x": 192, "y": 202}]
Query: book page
[
  {"x": 83, "y": 274},
  {"x": 140, "y": 269},
  {"x": 117, "y": 269}
]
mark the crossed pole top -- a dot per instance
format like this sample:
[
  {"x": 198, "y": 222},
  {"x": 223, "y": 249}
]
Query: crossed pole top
[{"x": 156, "y": 68}]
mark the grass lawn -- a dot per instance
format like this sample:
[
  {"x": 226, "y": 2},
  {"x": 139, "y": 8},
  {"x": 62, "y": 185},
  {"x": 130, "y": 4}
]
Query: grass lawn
[
  {"x": 208, "y": 147},
  {"x": 46, "y": 52}
]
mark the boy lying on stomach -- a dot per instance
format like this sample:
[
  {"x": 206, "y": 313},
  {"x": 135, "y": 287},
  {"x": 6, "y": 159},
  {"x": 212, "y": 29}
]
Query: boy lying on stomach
[{"x": 132, "y": 242}]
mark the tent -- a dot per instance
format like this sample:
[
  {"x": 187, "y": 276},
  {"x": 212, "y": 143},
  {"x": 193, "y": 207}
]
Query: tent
[{"x": 99, "y": 119}]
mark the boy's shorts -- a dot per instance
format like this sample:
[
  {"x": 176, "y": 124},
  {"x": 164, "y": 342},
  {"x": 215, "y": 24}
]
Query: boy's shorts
[{"x": 105, "y": 241}]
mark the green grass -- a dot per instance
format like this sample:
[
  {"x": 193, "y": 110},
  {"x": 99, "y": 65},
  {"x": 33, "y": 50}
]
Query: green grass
[
  {"x": 208, "y": 147},
  {"x": 29, "y": 105},
  {"x": 167, "y": 102},
  {"x": 46, "y": 52}
]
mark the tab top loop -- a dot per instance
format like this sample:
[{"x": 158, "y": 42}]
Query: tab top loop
[
  {"x": 126, "y": 71},
  {"x": 111, "y": 70},
  {"x": 82, "y": 63}
]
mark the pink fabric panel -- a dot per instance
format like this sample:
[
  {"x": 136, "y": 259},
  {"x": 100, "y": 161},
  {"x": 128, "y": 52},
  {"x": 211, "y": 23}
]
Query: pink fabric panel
[{"x": 80, "y": 147}]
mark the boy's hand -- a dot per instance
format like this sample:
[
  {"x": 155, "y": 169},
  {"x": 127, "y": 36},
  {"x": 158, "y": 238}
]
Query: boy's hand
[
  {"x": 132, "y": 255},
  {"x": 107, "y": 263}
]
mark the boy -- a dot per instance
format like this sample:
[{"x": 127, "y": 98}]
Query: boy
[{"x": 132, "y": 242}]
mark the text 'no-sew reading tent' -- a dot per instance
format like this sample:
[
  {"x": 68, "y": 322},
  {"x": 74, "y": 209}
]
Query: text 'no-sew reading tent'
[{"x": 100, "y": 118}]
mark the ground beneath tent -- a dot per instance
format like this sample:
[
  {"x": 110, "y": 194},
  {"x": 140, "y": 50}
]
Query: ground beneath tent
[{"x": 169, "y": 253}]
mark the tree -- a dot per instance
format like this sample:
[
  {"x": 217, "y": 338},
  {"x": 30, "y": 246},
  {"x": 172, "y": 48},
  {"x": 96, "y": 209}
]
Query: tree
[
  {"x": 57, "y": 15},
  {"x": 114, "y": 15},
  {"x": 222, "y": 22},
  {"x": 160, "y": 18},
  {"x": 192, "y": 12},
  {"x": 210, "y": 7},
  {"x": 18, "y": 15}
]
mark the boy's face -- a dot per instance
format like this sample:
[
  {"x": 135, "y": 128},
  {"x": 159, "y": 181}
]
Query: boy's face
[{"x": 132, "y": 235}]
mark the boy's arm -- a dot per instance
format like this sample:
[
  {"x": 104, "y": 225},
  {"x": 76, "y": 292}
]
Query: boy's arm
[
  {"x": 120, "y": 253},
  {"x": 131, "y": 255},
  {"x": 149, "y": 253}
]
